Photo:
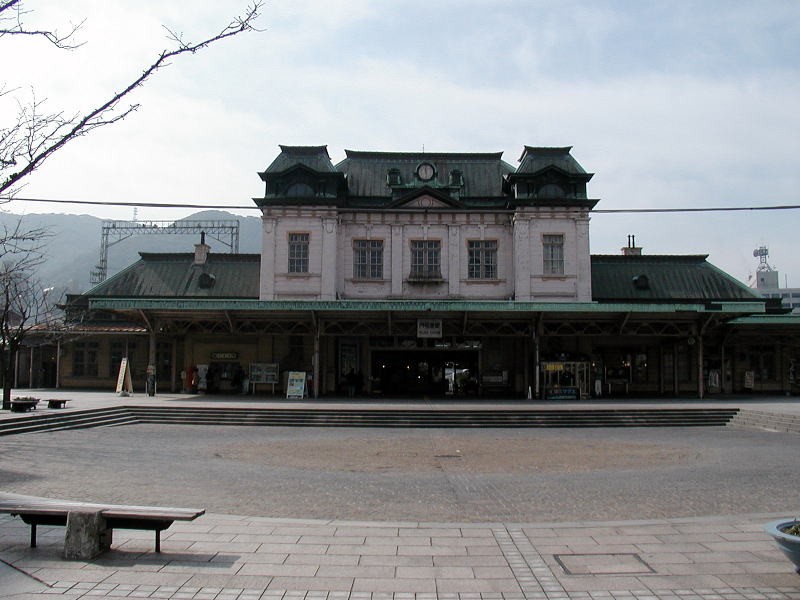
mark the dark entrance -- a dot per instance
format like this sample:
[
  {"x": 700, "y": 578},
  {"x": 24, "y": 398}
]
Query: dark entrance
[{"x": 439, "y": 373}]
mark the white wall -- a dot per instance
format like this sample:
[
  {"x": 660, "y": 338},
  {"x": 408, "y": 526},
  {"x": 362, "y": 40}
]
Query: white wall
[{"x": 519, "y": 254}]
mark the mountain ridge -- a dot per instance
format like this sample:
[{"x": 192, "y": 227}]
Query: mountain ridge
[{"x": 72, "y": 250}]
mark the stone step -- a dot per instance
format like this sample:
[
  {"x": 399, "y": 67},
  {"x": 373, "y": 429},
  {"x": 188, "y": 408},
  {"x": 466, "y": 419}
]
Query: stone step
[
  {"x": 754, "y": 419},
  {"x": 370, "y": 418}
]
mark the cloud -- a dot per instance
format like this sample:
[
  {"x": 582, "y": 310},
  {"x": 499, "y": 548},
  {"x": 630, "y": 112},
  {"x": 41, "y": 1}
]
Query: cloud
[{"x": 670, "y": 104}]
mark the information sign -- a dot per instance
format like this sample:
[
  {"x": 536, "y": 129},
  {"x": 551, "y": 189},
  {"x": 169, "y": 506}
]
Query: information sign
[
  {"x": 296, "y": 385},
  {"x": 429, "y": 328},
  {"x": 264, "y": 373},
  {"x": 124, "y": 382}
]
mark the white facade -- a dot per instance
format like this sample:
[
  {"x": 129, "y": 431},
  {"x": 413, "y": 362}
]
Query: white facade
[
  {"x": 423, "y": 239},
  {"x": 520, "y": 271}
]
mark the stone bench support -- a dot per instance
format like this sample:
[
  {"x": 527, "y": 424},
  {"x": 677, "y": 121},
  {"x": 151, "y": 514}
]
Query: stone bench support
[{"x": 87, "y": 535}]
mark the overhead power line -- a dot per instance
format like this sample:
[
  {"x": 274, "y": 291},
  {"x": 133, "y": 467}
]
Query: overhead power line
[
  {"x": 253, "y": 207},
  {"x": 137, "y": 204},
  {"x": 696, "y": 209}
]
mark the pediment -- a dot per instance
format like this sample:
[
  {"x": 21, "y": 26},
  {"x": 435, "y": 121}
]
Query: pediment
[
  {"x": 425, "y": 201},
  {"x": 426, "y": 198}
]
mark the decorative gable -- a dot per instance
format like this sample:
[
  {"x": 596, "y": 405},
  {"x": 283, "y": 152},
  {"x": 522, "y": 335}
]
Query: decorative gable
[{"x": 426, "y": 198}]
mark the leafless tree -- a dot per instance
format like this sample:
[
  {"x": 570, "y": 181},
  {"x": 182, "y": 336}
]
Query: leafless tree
[
  {"x": 36, "y": 133},
  {"x": 24, "y": 304}
]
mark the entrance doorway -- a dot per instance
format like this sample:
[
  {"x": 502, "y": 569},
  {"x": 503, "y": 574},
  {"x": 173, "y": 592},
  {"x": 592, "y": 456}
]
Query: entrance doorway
[{"x": 416, "y": 373}]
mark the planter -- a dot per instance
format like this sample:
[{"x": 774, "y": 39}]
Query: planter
[{"x": 789, "y": 544}]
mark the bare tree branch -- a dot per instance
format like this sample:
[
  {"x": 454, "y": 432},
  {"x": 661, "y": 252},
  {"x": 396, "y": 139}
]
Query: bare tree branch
[
  {"x": 12, "y": 23},
  {"x": 23, "y": 302},
  {"x": 36, "y": 135}
]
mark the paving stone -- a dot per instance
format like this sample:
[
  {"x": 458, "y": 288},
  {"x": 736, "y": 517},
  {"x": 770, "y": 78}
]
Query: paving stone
[
  {"x": 312, "y": 583},
  {"x": 394, "y": 584}
]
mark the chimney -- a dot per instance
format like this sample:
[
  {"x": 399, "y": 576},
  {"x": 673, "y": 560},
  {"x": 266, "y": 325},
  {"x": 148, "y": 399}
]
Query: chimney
[
  {"x": 631, "y": 249},
  {"x": 201, "y": 250}
]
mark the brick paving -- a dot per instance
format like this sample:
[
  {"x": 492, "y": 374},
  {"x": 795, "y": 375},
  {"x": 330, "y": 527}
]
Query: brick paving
[
  {"x": 228, "y": 557},
  {"x": 239, "y": 557}
]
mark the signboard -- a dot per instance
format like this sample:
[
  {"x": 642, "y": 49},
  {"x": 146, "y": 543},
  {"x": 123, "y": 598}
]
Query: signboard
[
  {"x": 429, "y": 328},
  {"x": 749, "y": 379},
  {"x": 224, "y": 355},
  {"x": 296, "y": 385},
  {"x": 264, "y": 373},
  {"x": 124, "y": 382}
]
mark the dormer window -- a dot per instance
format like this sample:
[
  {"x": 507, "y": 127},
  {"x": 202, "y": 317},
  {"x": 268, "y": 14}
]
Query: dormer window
[
  {"x": 393, "y": 177},
  {"x": 456, "y": 178},
  {"x": 300, "y": 190},
  {"x": 551, "y": 190}
]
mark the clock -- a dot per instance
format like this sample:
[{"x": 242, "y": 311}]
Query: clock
[{"x": 425, "y": 171}]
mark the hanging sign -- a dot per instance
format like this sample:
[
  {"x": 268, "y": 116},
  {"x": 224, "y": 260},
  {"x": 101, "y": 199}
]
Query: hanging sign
[{"x": 429, "y": 328}]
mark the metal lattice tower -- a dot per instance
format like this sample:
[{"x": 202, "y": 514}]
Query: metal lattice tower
[
  {"x": 762, "y": 253},
  {"x": 225, "y": 231}
]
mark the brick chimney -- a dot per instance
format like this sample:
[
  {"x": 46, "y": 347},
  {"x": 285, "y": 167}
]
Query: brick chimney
[{"x": 201, "y": 250}]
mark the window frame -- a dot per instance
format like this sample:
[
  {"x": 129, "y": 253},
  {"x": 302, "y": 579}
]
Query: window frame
[
  {"x": 88, "y": 363},
  {"x": 368, "y": 260},
  {"x": 298, "y": 252},
  {"x": 553, "y": 256},
  {"x": 482, "y": 259},
  {"x": 426, "y": 260}
]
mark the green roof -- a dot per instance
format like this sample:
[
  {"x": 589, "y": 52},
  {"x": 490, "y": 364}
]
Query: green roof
[
  {"x": 619, "y": 283},
  {"x": 315, "y": 158},
  {"x": 788, "y": 320},
  {"x": 176, "y": 276},
  {"x": 366, "y": 172},
  {"x": 659, "y": 278},
  {"x": 536, "y": 159}
]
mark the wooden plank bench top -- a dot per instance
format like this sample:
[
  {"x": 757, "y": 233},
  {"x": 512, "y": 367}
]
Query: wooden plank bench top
[{"x": 35, "y": 511}]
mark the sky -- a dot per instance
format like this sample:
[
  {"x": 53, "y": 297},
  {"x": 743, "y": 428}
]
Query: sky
[{"x": 671, "y": 104}]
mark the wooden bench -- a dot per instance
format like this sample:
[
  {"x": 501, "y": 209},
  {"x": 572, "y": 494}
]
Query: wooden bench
[
  {"x": 42, "y": 511},
  {"x": 57, "y": 403},
  {"x": 23, "y": 404}
]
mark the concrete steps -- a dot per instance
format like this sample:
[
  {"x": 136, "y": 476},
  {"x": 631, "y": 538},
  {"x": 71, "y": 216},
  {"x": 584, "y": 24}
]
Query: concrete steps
[
  {"x": 438, "y": 418},
  {"x": 756, "y": 419},
  {"x": 419, "y": 418},
  {"x": 79, "y": 419}
]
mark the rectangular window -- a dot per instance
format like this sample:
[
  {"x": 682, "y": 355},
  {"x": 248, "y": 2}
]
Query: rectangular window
[
  {"x": 118, "y": 350},
  {"x": 368, "y": 259},
  {"x": 298, "y": 252},
  {"x": 84, "y": 359},
  {"x": 482, "y": 259},
  {"x": 553, "y": 254},
  {"x": 426, "y": 259}
]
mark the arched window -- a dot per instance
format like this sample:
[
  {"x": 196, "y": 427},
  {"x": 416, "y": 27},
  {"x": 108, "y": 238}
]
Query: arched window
[
  {"x": 300, "y": 190},
  {"x": 551, "y": 190}
]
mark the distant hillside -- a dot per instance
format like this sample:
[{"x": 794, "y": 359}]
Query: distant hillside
[{"x": 74, "y": 248}]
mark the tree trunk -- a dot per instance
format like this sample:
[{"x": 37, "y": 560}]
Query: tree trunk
[{"x": 8, "y": 380}]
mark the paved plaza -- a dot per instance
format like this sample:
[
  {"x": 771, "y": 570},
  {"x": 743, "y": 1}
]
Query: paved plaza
[{"x": 589, "y": 514}]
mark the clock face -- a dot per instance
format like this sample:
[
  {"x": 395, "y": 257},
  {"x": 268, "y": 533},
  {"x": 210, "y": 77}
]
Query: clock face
[{"x": 425, "y": 171}]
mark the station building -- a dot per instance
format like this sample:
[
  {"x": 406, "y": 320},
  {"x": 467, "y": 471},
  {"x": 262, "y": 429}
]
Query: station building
[{"x": 431, "y": 275}]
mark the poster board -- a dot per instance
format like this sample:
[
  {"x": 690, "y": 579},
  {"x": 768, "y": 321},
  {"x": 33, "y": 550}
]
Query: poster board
[
  {"x": 296, "y": 385},
  {"x": 749, "y": 379},
  {"x": 124, "y": 382},
  {"x": 266, "y": 373}
]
